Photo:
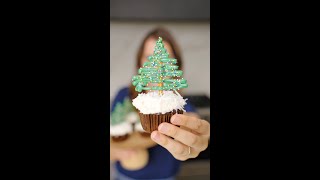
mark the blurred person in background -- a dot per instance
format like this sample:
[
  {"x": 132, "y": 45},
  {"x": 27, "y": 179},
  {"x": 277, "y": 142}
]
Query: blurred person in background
[{"x": 170, "y": 144}]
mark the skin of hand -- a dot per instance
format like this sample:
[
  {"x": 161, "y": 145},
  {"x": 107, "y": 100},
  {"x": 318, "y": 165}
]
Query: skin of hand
[
  {"x": 193, "y": 132},
  {"x": 119, "y": 154}
]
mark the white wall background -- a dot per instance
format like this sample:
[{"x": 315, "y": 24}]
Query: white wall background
[{"x": 193, "y": 39}]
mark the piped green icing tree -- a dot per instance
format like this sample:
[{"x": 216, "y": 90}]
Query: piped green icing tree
[
  {"x": 120, "y": 111},
  {"x": 159, "y": 69}
]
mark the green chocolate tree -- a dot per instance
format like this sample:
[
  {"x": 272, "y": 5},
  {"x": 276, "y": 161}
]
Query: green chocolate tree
[
  {"x": 120, "y": 111},
  {"x": 159, "y": 69}
]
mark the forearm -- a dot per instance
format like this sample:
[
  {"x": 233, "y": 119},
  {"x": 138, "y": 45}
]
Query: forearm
[{"x": 112, "y": 154}]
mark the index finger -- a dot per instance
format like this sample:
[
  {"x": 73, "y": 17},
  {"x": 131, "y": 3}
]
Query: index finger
[{"x": 196, "y": 124}]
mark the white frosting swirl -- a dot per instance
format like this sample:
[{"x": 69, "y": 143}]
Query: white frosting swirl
[
  {"x": 138, "y": 127},
  {"x": 121, "y": 129},
  {"x": 152, "y": 102}
]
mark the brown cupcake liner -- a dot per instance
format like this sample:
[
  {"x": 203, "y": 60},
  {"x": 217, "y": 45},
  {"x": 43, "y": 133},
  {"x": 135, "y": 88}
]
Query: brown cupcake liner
[
  {"x": 150, "y": 122},
  {"x": 120, "y": 138}
]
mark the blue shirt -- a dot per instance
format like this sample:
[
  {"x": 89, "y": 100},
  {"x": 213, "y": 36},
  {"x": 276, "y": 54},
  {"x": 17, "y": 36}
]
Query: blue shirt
[{"x": 161, "y": 165}]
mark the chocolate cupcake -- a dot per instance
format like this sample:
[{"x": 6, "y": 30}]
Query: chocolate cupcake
[
  {"x": 150, "y": 122},
  {"x": 120, "y": 128},
  {"x": 159, "y": 76},
  {"x": 155, "y": 109},
  {"x": 120, "y": 132}
]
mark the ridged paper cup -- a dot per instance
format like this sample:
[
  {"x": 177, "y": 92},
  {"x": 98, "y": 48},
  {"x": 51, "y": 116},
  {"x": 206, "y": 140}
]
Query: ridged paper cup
[{"x": 150, "y": 122}]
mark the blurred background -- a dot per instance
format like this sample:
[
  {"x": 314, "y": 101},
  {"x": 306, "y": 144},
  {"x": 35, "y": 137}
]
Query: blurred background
[
  {"x": 192, "y": 37},
  {"x": 189, "y": 22}
]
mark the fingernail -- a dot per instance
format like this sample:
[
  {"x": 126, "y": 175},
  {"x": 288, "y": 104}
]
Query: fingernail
[
  {"x": 155, "y": 136},
  {"x": 163, "y": 128},
  {"x": 174, "y": 119}
]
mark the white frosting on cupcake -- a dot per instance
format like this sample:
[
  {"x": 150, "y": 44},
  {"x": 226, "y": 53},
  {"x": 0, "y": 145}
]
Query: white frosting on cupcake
[
  {"x": 152, "y": 102},
  {"x": 138, "y": 127},
  {"x": 120, "y": 129},
  {"x": 132, "y": 117}
]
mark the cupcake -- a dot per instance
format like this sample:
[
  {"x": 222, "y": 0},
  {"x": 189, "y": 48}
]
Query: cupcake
[
  {"x": 120, "y": 128},
  {"x": 160, "y": 78},
  {"x": 120, "y": 132}
]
